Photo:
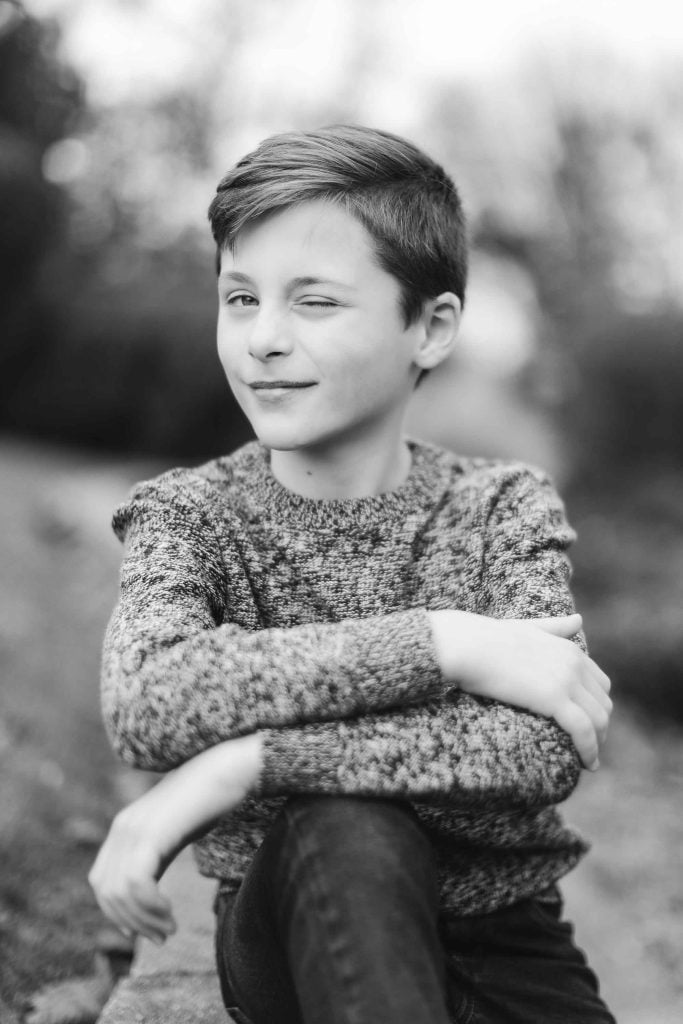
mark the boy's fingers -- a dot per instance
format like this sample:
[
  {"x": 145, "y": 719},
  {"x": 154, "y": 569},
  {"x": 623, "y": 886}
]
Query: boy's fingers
[
  {"x": 574, "y": 720},
  {"x": 594, "y": 686},
  {"x": 151, "y": 924},
  {"x": 565, "y": 626},
  {"x": 138, "y": 907},
  {"x": 603, "y": 679},
  {"x": 144, "y": 919},
  {"x": 134, "y": 919},
  {"x": 153, "y": 907},
  {"x": 597, "y": 714},
  {"x": 147, "y": 894},
  {"x": 151, "y": 930},
  {"x": 118, "y": 912}
]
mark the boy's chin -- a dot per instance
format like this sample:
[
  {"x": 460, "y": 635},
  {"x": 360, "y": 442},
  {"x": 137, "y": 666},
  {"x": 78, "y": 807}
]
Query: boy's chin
[
  {"x": 283, "y": 440},
  {"x": 280, "y": 440}
]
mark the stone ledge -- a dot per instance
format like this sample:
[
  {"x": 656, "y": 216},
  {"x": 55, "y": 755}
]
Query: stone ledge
[
  {"x": 176, "y": 983},
  {"x": 166, "y": 999}
]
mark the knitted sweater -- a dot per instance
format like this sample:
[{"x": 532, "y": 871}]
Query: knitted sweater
[{"x": 247, "y": 607}]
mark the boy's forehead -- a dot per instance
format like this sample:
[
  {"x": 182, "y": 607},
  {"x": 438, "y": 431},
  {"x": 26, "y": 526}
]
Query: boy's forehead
[{"x": 316, "y": 231}]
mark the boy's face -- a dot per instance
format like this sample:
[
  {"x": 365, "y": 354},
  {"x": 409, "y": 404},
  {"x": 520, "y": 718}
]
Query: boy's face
[{"x": 310, "y": 330}]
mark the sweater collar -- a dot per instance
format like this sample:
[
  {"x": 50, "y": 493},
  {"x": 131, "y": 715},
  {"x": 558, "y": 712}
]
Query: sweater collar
[{"x": 420, "y": 491}]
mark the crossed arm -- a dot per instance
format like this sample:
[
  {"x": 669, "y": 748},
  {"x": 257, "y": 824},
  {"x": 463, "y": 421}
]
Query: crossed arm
[
  {"x": 179, "y": 676},
  {"x": 453, "y": 747}
]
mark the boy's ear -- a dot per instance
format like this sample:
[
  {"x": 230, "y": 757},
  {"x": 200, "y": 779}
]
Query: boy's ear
[{"x": 441, "y": 322}]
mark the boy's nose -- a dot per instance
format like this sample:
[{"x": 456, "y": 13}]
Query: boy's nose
[{"x": 269, "y": 337}]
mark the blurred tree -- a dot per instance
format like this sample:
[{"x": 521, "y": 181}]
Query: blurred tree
[
  {"x": 39, "y": 100},
  {"x": 576, "y": 173},
  {"x": 572, "y": 170},
  {"x": 609, "y": 278},
  {"x": 107, "y": 297},
  {"x": 626, "y": 410},
  {"x": 39, "y": 95}
]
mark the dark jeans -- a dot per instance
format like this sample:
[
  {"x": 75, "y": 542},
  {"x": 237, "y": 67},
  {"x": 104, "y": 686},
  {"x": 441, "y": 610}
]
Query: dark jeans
[{"x": 337, "y": 922}]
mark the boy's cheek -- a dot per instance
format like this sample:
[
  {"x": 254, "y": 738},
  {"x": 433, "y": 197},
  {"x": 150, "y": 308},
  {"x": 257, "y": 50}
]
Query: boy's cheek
[{"x": 226, "y": 359}]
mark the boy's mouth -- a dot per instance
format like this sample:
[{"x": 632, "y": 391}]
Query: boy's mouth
[{"x": 269, "y": 385}]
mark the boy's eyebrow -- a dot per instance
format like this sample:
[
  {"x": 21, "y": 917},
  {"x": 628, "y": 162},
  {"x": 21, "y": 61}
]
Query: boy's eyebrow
[
  {"x": 296, "y": 282},
  {"x": 305, "y": 282},
  {"x": 234, "y": 275}
]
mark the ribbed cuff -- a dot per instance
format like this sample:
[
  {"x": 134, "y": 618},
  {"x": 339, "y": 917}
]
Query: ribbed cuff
[
  {"x": 394, "y": 656},
  {"x": 304, "y": 759}
]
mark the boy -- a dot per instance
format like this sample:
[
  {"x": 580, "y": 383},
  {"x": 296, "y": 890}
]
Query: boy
[{"x": 351, "y": 652}]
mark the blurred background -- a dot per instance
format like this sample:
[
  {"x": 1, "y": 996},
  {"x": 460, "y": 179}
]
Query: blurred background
[{"x": 563, "y": 127}]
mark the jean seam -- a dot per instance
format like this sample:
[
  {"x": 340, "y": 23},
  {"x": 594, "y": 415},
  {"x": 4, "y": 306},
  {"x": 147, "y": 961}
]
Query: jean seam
[
  {"x": 325, "y": 902},
  {"x": 222, "y": 912},
  {"x": 469, "y": 1009},
  {"x": 464, "y": 1012}
]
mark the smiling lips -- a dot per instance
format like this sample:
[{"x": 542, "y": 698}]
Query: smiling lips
[{"x": 270, "y": 385}]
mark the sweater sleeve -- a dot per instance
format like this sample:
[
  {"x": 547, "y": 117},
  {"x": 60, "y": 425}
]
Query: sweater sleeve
[
  {"x": 460, "y": 750},
  {"x": 177, "y": 678}
]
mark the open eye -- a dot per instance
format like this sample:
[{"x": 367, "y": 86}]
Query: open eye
[{"x": 240, "y": 300}]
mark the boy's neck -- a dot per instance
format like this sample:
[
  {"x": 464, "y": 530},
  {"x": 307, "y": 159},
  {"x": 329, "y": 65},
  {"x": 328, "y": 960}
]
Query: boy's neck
[{"x": 355, "y": 469}]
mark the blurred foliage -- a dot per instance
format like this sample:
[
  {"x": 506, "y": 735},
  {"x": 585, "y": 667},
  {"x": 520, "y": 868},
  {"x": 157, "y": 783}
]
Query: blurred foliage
[
  {"x": 569, "y": 173},
  {"x": 39, "y": 94},
  {"x": 109, "y": 341},
  {"x": 39, "y": 99},
  {"x": 129, "y": 362},
  {"x": 625, "y": 414},
  {"x": 629, "y": 583}
]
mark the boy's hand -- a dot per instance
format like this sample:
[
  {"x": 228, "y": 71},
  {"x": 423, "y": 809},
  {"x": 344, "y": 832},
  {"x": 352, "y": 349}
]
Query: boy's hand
[
  {"x": 126, "y": 871},
  {"x": 146, "y": 835},
  {"x": 532, "y": 664}
]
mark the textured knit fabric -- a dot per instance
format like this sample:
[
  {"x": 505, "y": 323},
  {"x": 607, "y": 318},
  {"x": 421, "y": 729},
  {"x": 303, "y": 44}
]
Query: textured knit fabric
[{"x": 246, "y": 607}]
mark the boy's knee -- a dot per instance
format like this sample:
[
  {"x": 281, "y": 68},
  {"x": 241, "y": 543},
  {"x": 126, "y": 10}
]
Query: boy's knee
[{"x": 370, "y": 837}]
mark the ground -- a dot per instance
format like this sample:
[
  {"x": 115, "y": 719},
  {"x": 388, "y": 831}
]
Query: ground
[{"x": 61, "y": 785}]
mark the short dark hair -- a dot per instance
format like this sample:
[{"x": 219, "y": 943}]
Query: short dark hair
[{"x": 406, "y": 201}]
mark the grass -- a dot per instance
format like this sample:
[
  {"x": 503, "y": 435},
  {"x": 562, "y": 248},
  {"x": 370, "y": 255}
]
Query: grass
[{"x": 61, "y": 784}]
